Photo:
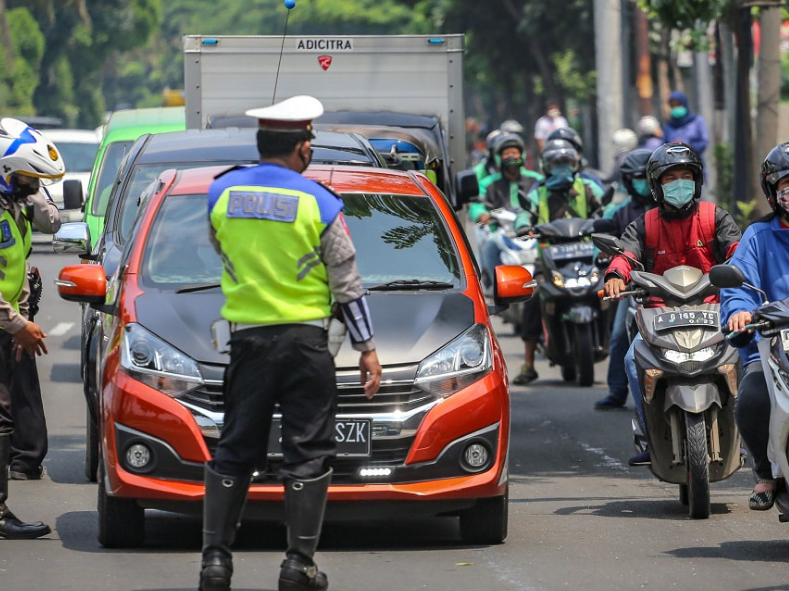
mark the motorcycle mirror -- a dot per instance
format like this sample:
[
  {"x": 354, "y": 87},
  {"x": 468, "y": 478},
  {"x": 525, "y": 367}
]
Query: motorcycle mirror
[
  {"x": 604, "y": 225},
  {"x": 731, "y": 276},
  {"x": 610, "y": 245},
  {"x": 726, "y": 276}
]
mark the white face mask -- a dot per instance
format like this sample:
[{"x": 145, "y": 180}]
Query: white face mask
[{"x": 782, "y": 197}]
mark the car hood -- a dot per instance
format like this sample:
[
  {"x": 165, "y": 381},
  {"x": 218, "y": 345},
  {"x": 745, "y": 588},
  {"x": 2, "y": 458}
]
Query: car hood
[{"x": 409, "y": 326}]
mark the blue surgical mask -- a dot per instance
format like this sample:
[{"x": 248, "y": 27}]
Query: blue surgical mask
[
  {"x": 561, "y": 178},
  {"x": 679, "y": 112},
  {"x": 641, "y": 187},
  {"x": 679, "y": 193}
]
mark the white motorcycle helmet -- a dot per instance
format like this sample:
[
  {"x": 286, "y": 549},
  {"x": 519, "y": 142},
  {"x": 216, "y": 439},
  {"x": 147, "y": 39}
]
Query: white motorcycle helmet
[{"x": 26, "y": 151}]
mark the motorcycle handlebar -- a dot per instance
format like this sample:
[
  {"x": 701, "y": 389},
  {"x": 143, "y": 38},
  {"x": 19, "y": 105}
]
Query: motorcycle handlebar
[
  {"x": 639, "y": 293},
  {"x": 754, "y": 326}
]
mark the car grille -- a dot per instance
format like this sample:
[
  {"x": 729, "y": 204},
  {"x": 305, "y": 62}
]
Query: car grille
[
  {"x": 387, "y": 451},
  {"x": 398, "y": 397}
]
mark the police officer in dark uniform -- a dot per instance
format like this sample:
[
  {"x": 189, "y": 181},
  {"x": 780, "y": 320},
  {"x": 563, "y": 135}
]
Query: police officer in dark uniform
[{"x": 286, "y": 251}]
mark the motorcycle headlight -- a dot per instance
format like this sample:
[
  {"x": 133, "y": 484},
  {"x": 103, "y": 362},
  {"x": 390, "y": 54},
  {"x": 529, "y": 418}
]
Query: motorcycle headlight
[
  {"x": 459, "y": 364},
  {"x": 150, "y": 360},
  {"x": 678, "y": 356},
  {"x": 558, "y": 280}
]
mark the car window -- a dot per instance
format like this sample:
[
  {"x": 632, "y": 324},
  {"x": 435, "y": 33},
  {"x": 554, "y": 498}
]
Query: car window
[
  {"x": 396, "y": 237},
  {"x": 109, "y": 170},
  {"x": 178, "y": 250},
  {"x": 78, "y": 157},
  {"x": 400, "y": 237}
]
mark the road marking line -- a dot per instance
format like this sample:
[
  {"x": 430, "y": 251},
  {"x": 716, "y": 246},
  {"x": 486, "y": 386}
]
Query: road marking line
[
  {"x": 60, "y": 329},
  {"x": 608, "y": 461}
]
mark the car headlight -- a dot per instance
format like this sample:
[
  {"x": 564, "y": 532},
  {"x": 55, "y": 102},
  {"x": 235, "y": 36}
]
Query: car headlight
[
  {"x": 150, "y": 360},
  {"x": 678, "y": 356},
  {"x": 457, "y": 365}
]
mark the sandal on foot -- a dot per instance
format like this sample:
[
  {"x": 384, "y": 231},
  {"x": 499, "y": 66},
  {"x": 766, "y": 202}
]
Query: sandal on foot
[{"x": 762, "y": 500}]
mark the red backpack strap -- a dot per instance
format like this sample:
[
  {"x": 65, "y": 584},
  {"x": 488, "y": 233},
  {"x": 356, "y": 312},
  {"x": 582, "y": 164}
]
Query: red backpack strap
[
  {"x": 651, "y": 229},
  {"x": 707, "y": 222}
]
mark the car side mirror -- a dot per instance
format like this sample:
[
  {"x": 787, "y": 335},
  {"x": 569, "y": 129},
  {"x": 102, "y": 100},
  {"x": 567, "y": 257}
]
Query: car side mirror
[
  {"x": 72, "y": 238},
  {"x": 72, "y": 194},
  {"x": 466, "y": 187}
]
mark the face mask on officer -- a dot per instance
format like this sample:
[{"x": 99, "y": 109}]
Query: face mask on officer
[
  {"x": 679, "y": 193},
  {"x": 562, "y": 177},
  {"x": 24, "y": 189}
]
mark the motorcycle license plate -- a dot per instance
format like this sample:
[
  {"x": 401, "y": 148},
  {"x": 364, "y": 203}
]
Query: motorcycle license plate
[
  {"x": 353, "y": 437},
  {"x": 562, "y": 252},
  {"x": 669, "y": 320}
]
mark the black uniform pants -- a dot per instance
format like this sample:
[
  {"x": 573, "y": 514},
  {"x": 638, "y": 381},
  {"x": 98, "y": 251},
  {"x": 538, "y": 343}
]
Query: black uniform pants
[
  {"x": 7, "y": 367},
  {"x": 29, "y": 443},
  {"x": 752, "y": 414},
  {"x": 287, "y": 365}
]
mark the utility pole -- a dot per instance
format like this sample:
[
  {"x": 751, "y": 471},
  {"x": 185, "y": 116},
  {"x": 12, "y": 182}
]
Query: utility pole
[{"x": 608, "y": 58}]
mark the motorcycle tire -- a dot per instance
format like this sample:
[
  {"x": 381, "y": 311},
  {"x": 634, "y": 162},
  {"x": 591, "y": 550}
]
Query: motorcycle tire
[
  {"x": 696, "y": 459},
  {"x": 584, "y": 359}
]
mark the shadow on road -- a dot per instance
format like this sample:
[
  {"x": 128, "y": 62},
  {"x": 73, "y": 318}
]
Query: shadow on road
[
  {"x": 639, "y": 508},
  {"x": 747, "y": 550}
]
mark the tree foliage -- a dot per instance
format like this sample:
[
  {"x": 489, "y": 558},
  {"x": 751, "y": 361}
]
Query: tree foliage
[
  {"x": 682, "y": 14},
  {"x": 19, "y": 70}
]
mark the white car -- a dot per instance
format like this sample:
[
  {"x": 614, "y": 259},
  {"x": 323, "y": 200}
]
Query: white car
[{"x": 78, "y": 148}]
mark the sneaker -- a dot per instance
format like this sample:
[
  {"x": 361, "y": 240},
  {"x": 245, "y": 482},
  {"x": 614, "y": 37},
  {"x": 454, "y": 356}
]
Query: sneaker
[
  {"x": 642, "y": 459},
  {"x": 765, "y": 498},
  {"x": 610, "y": 402},
  {"x": 527, "y": 375},
  {"x": 34, "y": 474}
]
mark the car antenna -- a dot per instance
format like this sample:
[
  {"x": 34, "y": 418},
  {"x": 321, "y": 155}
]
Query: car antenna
[{"x": 290, "y": 5}]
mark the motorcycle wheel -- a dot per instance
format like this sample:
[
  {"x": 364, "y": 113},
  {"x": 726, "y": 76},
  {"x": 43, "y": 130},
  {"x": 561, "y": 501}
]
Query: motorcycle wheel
[
  {"x": 584, "y": 359},
  {"x": 698, "y": 466}
]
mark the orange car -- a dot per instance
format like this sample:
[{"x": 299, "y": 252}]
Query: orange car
[{"x": 434, "y": 440}]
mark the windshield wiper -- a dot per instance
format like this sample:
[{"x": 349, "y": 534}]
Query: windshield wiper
[
  {"x": 406, "y": 284},
  {"x": 197, "y": 287}
]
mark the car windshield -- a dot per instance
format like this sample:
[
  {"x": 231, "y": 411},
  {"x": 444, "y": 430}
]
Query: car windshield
[
  {"x": 396, "y": 237},
  {"x": 78, "y": 157}
]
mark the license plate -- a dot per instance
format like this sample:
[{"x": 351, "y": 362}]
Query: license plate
[
  {"x": 669, "y": 320},
  {"x": 561, "y": 252},
  {"x": 353, "y": 437}
]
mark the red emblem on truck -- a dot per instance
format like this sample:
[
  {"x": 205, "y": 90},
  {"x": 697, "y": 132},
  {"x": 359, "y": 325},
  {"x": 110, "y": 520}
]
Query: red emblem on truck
[{"x": 324, "y": 61}]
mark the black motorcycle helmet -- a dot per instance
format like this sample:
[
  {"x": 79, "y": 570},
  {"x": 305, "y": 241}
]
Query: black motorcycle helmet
[
  {"x": 634, "y": 166},
  {"x": 569, "y": 134},
  {"x": 556, "y": 152},
  {"x": 509, "y": 140},
  {"x": 667, "y": 157},
  {"x": 774, "y": 168}
]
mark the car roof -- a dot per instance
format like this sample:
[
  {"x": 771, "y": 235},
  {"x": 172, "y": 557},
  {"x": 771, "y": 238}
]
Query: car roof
[
  {"x": 342, "y": 179},
  {"x": 130, "y": 124},
  {"x": 236, "y": 144},
  {"x": 74, "y": 136}
]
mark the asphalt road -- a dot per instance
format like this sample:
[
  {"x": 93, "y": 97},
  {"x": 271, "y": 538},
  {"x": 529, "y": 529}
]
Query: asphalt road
[{"x": 579, "y": 517}]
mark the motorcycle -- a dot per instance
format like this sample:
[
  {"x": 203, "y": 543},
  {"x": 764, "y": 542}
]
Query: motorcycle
[
  {"x": 577, "y": 325},
  {"x": 771, "y": 320},
  {"x": 688, "y": 376},
  {"x": 515, "y": 250}
]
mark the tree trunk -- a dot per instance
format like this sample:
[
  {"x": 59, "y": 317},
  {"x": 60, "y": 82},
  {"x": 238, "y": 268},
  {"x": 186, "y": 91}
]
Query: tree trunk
[{"x": 769, "y": 89}]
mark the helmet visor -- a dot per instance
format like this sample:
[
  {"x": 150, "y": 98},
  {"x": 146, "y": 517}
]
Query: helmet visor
[{"x": 774, "y": 177}]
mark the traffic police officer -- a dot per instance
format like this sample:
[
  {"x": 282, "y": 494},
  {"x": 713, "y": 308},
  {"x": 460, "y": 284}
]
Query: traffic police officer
[
  {"x": 286, "y": 251},
  {"x": 27, "y": 159}
]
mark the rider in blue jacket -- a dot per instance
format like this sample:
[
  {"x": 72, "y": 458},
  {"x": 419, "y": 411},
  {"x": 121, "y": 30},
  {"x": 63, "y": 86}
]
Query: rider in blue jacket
[{"x": 763, "y": 256}]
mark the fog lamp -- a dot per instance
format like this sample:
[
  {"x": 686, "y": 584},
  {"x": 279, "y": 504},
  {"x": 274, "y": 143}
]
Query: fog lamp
[
  {"x": 476, "y": 457},
  {"x": 138, "y": 456},
  {"x": 375, "y": 472}
]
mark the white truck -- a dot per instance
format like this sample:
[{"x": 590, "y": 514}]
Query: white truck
[{"x": 403, "y": 92}]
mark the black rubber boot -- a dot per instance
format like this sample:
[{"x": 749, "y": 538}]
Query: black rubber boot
[
  {"x": 12, "y": 528},
  {"x": 305, "y": 503},
  {"x": 225, "y": 497}
]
